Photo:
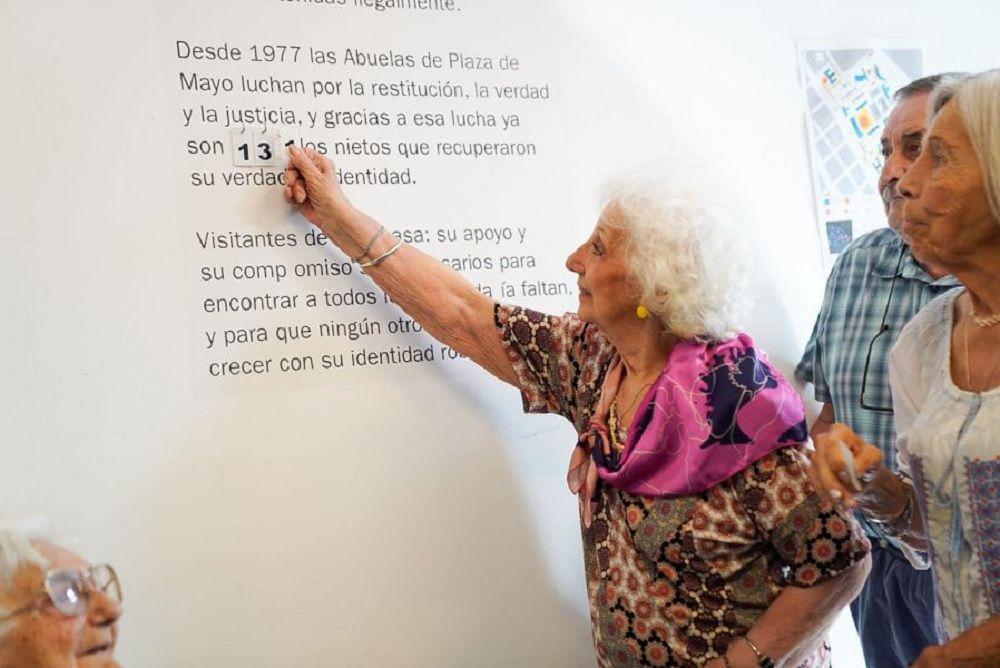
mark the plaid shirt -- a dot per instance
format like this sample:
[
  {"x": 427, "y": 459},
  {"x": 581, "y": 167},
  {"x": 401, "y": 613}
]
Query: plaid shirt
[{"x": 856, "y": 295}]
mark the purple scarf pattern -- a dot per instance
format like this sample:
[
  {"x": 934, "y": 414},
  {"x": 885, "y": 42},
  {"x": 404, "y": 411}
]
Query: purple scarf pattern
[{"x": 713, "y": 411}]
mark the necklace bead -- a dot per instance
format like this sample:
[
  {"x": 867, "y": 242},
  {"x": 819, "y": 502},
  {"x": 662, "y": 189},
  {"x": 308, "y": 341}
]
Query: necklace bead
[{"x": 968, "y": 364}]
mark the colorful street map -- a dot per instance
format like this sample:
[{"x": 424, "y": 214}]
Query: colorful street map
[{"x": 849, "y": 94}]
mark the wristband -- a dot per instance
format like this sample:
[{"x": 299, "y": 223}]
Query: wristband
[
  {"x": 763, "y": 660},
  {"x": 377, "y": 261},
  {"x": 371, "y": 244}
]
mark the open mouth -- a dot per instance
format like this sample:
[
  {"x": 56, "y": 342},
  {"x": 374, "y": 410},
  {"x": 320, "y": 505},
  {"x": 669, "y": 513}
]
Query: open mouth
[{"x": 99, "y": 649}]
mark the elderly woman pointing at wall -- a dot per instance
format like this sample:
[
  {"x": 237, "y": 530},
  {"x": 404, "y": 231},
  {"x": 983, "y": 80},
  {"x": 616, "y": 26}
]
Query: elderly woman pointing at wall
[
  {"x": 944, "y": 508},
  {"x": 705, "y": 544}
]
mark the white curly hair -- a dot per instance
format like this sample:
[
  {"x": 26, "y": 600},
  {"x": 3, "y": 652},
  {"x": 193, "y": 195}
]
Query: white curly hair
[
  {"x": 17, "y": 551},
  {"x": 685, "y": 254}
]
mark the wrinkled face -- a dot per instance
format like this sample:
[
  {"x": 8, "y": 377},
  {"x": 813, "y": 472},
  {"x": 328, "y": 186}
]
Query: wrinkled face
[
  {"x": 47, "y": 639},
  {"x": 947, "y": 217},
  {"x": 606, "y": 286},
  {"x": 901, "y": 143}
]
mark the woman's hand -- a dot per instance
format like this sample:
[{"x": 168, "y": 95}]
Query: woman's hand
[
  {"x": 933, "y": 657},
  {"x": 842, "y": 465},
  {"x": 851, "y": 473},
  {"x": 940, "y": 656},
  {"x": 979, "y": 647},
  {"x": 311, "y": 184}
]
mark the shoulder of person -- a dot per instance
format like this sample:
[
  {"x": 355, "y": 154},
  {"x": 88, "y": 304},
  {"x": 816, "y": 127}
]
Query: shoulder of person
[
  {"x": 922, "y": 334},
  {"x": 588, "y": 332},
  {"x": 866, "y": 249},
  {"x": 741, "y": 344},
  {"x": 883, "y": 237},
  {"x": 746, "y": 359},
  {"x": 920, "y": 352},
  {"x": 930, "y": 322},
  {"x": 529, "y": 326}
]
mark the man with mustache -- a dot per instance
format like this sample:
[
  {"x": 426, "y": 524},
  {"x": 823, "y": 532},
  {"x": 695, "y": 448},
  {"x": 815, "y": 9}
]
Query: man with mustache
[
  {"x": 56, "y": 610},
  {"x": 876, "y": 287}
]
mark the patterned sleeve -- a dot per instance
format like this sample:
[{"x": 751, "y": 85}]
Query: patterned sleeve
[
  {"x": 813, "y": 541},
  {"x": 559, "y": 361}
]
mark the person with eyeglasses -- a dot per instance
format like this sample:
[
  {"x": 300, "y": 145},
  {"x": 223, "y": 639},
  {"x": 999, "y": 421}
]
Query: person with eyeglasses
[
  {"x": 56, "y": 610},
  {"x": 876, "y": 286},
  {"x": 943, "y": 508}
]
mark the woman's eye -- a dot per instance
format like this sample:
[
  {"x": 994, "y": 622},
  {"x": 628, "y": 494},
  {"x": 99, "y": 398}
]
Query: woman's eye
[{"x": 597, "y": 248}]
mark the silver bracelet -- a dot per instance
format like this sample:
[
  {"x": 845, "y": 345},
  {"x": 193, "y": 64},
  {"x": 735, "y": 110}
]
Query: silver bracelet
[
  {"x": 371, "y": 244},
  {"x": 377, "y": 261}
]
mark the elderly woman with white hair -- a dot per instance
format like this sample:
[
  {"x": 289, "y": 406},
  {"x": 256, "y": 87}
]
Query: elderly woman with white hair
[
  {"x": 945, "y": 373},
  {"x": 56, "y": 610},
  {"x": 704, "y": 543}
]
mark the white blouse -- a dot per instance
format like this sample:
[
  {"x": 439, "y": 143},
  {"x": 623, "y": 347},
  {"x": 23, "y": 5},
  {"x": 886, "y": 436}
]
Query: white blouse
[{"x": 949, "y": 444}]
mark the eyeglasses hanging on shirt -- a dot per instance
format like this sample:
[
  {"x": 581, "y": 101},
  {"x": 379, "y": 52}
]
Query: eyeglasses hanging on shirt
[{"x": 883, "y": 328}]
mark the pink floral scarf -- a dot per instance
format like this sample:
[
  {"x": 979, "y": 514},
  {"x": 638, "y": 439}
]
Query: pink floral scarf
[{"x": 713, "y": 411}]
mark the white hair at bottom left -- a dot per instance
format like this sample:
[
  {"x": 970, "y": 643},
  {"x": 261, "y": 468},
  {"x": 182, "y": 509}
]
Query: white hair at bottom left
[{"x": 16, "y": 549}]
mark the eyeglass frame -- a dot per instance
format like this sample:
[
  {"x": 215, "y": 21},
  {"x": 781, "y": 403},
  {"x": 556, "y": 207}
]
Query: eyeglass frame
[
  {"x": 90, "y": 586},
  {"x": 883, "y": 328}
]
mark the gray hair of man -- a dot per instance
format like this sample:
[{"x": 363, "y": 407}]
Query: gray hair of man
[
  {"x": 977, "y": 97},
  {"x": 16, "y": 551},
  {"x": 683, "y": 249},
  {"x": 925, "y": 84}
]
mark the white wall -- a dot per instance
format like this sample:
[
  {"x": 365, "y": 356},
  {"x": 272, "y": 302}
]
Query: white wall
[{"x": 410, "y": 520}]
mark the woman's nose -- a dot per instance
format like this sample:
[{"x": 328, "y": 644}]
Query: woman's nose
[
  {"x": 909, "y": 184},
  {"x": 104, "y": 610},
  {"x": 573, "y": 262}
]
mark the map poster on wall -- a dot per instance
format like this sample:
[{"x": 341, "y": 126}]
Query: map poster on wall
[{"x": 849, "y": 95}]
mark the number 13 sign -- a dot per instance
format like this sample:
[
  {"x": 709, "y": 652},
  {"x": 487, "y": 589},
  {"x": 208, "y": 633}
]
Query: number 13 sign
[{"x": 263, "y": 148}]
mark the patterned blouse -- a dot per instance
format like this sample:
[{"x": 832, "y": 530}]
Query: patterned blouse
[
  {"x": 949, "y": 442},
  {"x": 671, "y": 582}
]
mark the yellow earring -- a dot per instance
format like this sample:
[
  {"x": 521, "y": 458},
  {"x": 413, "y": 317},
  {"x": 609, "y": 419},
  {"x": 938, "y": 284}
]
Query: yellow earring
[{"x": 642, "y": 312}]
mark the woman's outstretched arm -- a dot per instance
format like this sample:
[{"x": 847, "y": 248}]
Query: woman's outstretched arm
[{"x": 441, "y": 300}]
